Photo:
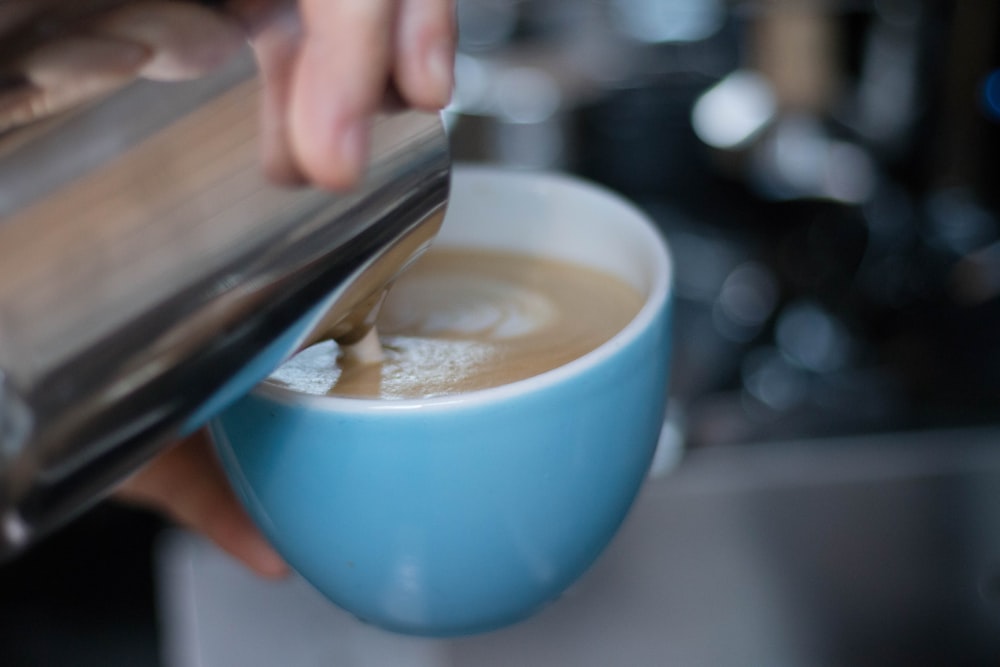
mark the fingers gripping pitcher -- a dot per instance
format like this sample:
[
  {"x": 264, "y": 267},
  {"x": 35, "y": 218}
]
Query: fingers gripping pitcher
[{"x": 150, "y": 274}]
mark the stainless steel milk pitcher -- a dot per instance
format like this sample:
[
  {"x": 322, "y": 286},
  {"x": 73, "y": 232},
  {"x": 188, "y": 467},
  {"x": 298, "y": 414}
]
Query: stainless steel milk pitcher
[{"x": 150, "y": 274}]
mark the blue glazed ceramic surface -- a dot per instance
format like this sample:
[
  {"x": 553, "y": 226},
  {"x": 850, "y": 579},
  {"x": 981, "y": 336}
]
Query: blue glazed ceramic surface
[{"x": 462, "y": 514}]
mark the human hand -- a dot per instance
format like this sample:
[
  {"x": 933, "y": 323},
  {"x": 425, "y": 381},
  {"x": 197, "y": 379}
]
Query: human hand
[
  {"x": 186, "y": 483},
  {"x": 326, "y": 65},
  {"x": 60, "y": 53},
  {"x": 326, "y": 70}
]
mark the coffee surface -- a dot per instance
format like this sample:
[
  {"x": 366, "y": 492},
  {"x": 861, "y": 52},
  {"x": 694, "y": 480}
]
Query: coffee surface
[{"x": 461, "y": 320}]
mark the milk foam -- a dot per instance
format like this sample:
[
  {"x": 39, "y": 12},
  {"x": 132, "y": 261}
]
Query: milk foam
[
  {"x": 474, "y": 306},
  {"x": 461, "y": 320}
]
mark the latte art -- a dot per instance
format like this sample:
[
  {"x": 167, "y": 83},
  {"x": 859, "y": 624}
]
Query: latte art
[
  {"x": 462, "y": 320},
  {"x": 475, "y": 306}
]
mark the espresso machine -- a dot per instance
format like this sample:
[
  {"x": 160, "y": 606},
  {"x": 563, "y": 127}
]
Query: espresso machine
[{"x": 149, "y": 272}]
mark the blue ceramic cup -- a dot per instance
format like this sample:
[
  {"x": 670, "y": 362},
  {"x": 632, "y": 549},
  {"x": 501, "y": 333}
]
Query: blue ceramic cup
[{"x": 461, "y": 514}]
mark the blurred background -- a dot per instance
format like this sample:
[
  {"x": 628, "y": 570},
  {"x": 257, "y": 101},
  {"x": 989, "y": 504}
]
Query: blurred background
[{"x": 826, "y": 173}]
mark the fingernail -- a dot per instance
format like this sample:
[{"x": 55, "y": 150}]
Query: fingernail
[
  {"x": 354, "y": 146},
  {"x": 267, "y": 561},
  {"x": 440, "y": 71}
]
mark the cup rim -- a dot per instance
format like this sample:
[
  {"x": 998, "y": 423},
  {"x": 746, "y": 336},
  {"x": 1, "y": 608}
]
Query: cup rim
[{"x": 662, "y": 287}]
